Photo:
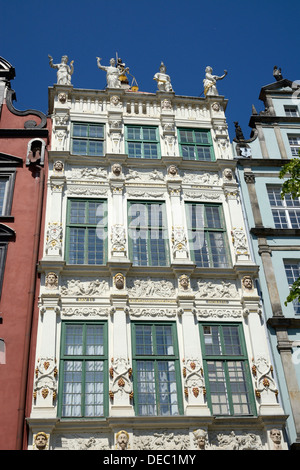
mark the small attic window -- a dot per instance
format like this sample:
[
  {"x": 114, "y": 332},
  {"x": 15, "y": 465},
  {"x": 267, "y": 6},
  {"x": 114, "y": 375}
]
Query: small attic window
[
  {"x": 35, "y": 152},
  {"x": 291, "y": 111}
]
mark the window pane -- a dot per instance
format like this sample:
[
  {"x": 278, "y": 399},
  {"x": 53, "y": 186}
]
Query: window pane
[
  {"x": 3, "y": 186},
  {"x": 87, "y": 232},
  {"x": 218, "y": 250},
  {"x": 80, "y": 130},
  {"x": 146, "y": 388},
  {"x": 218, "y": 388},
  {"x": 168, "y": 405},
  {"x": 144, "y": 341},
  {"x": 96, "y": 132},
  {"x": 147, "y": 234},
  {"x": 203, "y": 153},
  {"x": 164, "y": 340},
  {"x": 134, "y": 150},
  {"x": 95, "y": 247},
  {"x": 94, "y": 340},
  {"x": 212, "y": 341},
  {"x": 95, "y": 148},
  {"x": 72, "y": 379},
  {"x": 76, "y": 246},
  {"x": 213, "y": 219},
  {"x": 80, "y": 147},
  {"x": 186, "y": 136},
  {"x": 231, "y": 341},
  {"x": 87, "y": 139},
  {"x": 150, "y": 151},
  {"x": 238, "y": 386},
  {"x": 134, "y": 133},
  {"x": 74, "y": 340},
  {"x": 77, "y": 212},
  {"x": 94, "y": 391},
  {"x": 292, "y": 271},
  {"x": 149, "y": 134},
  {"x": 201, "y": 137}
]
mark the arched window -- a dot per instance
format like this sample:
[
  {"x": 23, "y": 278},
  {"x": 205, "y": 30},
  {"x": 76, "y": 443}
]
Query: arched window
[{"x": 35, "y": 152}]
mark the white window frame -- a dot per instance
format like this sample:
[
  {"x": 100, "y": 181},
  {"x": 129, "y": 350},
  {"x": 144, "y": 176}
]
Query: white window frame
[
  {"x": 284, "y": 210},
  {"x": 294, "y": 142},
  {"x": 291, "y": 111},
  {"x": 294, "y": 268}
]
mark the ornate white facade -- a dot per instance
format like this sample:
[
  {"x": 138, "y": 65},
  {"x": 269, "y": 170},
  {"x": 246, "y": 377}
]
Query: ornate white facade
[{"x": 124, "y": 291}]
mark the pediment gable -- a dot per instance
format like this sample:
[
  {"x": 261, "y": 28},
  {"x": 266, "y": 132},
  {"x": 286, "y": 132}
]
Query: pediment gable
[{"x": 10, "y": 160}]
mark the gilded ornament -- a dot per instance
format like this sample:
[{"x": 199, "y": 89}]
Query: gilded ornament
[{"x": 45, "y": 392}]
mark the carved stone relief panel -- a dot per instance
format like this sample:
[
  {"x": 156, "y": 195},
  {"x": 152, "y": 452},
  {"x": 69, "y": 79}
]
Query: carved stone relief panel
[
  {"x": 150, "y": 288},
  {"x": 75, "y": 287}
]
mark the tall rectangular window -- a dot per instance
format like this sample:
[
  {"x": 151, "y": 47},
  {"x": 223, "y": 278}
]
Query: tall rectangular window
[
  {"x": 156, "y": 371},
  {"x": 147, "y": 234},
  {"x": 195, "y": 144},
  {"x": 87, "y": 139},
  {"x": 83, "y": 370},
  {"x": 226, "y": 370},
  {"x": 286, "y": 212},
  {"x": 207, "y": 235},
  {"x": 142, "y": 142},
  {"x": 292, "y": 271},
  {"x": 294, "y": 141},
  {"x": 4, "y": 182},
  {"x": 86, "y": 234}
]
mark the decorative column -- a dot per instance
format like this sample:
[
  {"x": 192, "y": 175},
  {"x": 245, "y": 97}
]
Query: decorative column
[
  {"x": 238, "y": 233},
  {"x": 262, "y": 370},
  {"x": 179, "y": 238},
  {"x": 121, "y": 389},
  {"x": 118, "y": 242},
  {"x": 193, "y": 380},
  {"x": 46, "y": 367},
  {"x": 115, "y": 139}
]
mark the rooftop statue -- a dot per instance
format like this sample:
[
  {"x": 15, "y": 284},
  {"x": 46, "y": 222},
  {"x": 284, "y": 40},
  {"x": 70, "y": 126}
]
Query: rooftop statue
[
  {"x": 277, "y": 73},
  {"x": 113, "y": 72},
  {"x": 64, "y": 71},
  {"x": 210, "y": 81},
  {"x": 163, "y": 80}
]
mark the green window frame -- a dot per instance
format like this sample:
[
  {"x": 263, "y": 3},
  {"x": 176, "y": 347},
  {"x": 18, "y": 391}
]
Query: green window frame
[
  {"x": 86, "y": 231},
  {"x": 226, "y": 369},
  {"x": 142, "y": 142},
  {"x": 83, "y": 376},
  {"x": 207, "y": 235},
  {"x": 148, "y": 234},
  {"x": 87, "y": 139},
  {"x": 195, "y": 144},
  {"x": 156, "y": 369}
]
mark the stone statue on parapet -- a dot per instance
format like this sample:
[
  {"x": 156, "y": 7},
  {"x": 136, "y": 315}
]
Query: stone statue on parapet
[
  {"x": 163, "y": 80},
  {"x": 210, "y": 81},
  {"x": 277, "y": 73},
  {"x": 64, "y": 71},
  {"x": 113, "y": 72}
]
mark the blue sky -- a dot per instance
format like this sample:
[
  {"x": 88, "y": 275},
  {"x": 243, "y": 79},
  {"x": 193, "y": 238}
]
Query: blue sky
[{"x": 245, "y": 38}]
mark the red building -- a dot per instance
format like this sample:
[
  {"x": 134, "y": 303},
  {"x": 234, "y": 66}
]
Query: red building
[{"x": 23, "y": 141}]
